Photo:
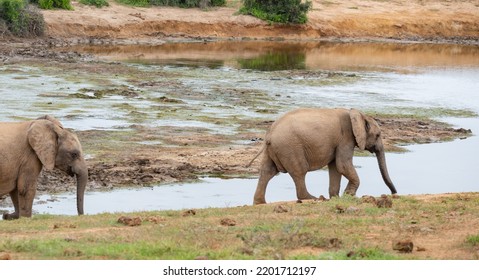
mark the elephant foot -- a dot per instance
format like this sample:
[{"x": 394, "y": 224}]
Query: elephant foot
[
  {"x": 350, "y": 192},
  {"x": 259, "y": 201},
  {"x": 306, "y": 196},
  {"x": 12, "y": 216}
]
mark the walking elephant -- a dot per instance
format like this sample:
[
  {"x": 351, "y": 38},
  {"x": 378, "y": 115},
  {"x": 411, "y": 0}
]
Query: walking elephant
[
  {"x": 26, "y": 148},
  {"x": 308, "y": 139}
]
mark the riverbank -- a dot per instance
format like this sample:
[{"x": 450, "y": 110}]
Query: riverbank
[{"x": 421, "y": 20}]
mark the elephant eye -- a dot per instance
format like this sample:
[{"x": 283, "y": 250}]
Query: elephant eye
[{"x": 74, "y": 155}]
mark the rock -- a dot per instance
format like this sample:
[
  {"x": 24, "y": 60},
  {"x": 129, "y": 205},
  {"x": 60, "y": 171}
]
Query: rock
[
  {"x": 368, "y": 199},
  {"x": 228, "y": 222},
  {"x": 403, "y": 246},
  {"x": 339, "y": 208},
  {"x": 280, "y": 209},
  {"x": 384, "y": 202},
  {"x": 129, "y": 221},
  {"x": 190, "y": 212}
]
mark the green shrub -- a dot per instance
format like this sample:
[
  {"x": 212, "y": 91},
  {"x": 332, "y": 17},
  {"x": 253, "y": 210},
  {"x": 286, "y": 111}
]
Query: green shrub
[
  {"x": 189, "y": 3},
  {"x": 21, "y": 19},
  {"x": 218, "y": 3},
  {"x": 96, "y": 3},
  {"x": 135, "y": 3},
  {"x": 55, "y": 4},
  {"x": 282, "y": 11},
  {"x": 10, "y": 11}
]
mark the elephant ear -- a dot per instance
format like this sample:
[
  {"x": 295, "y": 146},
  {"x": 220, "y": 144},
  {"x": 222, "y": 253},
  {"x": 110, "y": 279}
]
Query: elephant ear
[
  {"x": 359, "y": 127},
  {"x": 43, "y": 138},
  {"x": 52, "y": 119}
]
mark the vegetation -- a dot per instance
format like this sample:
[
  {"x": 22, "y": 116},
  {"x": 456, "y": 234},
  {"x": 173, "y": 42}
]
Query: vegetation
[
  {"x": 189, "y": 3},
  {"x": 19, "y": 18},
  {"x": 473, "y": 240},
  {"x": 96, "y": 3},
  {"x": 175, "y": 3},
  {"x": 282, "y": 11},
  {"x": 341, "y": 228},
  {"x": 53, "y": 4}
]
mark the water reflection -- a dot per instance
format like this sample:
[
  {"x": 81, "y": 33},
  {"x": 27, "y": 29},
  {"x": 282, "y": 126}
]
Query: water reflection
[{"x": 265, "y": 55}]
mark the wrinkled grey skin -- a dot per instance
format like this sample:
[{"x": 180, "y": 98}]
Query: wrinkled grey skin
[
  {"x": 26, "y": 148},
  {"x": 308, "y": 139}
]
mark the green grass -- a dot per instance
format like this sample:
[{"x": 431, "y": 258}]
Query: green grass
[
  {"x": 308, "y": 230},
  {"x": 473, "y": 240},
  {"x": 135, "y": 3},
  {"x": 96, "y": 3}
]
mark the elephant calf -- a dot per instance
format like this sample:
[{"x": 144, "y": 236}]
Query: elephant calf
[
  {"x": 308, "y": 139},
  {"x": 27, "y": 147}
]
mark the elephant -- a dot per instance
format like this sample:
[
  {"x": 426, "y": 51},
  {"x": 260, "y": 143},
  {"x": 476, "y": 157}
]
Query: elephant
[
  {"x": 27, "y": 147},
  {"x": 308, "y": 139}
]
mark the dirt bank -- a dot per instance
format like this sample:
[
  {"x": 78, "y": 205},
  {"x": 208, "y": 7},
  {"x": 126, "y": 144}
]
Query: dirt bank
[{"x": 405, "y": 20}]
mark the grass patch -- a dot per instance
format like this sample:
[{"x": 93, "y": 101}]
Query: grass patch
[
  {"x": 473, "y": 240},
  {"x": 360, "y": 254},
  {"x": 309, "y": 230},
  {"x": 135, "y": 3},
  {"x": 96, "y": 3}
]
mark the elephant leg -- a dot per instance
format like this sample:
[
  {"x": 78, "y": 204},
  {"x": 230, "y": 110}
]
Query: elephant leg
[
  {"x": 268, "y": 171},
  {"x": 334, "y": 180},
  {"x": 301, "y": 191},
  {"x": 27, "y": 187},
  {"x": 26, "y": 201},
  {"x": 350, "y": 173},
  {"x": 16, "y": 214}
]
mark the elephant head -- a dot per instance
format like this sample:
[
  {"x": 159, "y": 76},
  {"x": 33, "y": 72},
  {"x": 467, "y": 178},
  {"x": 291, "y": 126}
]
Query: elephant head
[
  {"x": 59, "y": 148},
  {"x": 368, "y": 137}
]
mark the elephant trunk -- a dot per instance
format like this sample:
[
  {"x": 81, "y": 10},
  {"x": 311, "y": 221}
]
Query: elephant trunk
[
  {"x": 383, "y": 168},
  {"x": 81, "y": 172}
]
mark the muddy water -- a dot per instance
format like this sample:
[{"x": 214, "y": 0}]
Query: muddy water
[{"x": 420, "y": 79}]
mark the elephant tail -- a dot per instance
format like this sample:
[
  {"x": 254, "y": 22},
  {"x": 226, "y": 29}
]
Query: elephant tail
[{"x": 256, "y": 156}]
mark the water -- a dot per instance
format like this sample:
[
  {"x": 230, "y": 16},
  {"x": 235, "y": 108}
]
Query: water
[
  {"x": 430, "y": 80},
  {"x": 426, "y": 169}
]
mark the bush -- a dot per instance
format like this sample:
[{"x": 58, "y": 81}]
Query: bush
[
  {"x": 52, "y": 4},
  {"x": 135, "y": 3},
  {"x": 96, "y": 3},
  {"x": 283, "y": 11},
  {"x": 218, "y": 3},
  {"x": 189, "y": 3},
  {"x": 21, "y": 19}
]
